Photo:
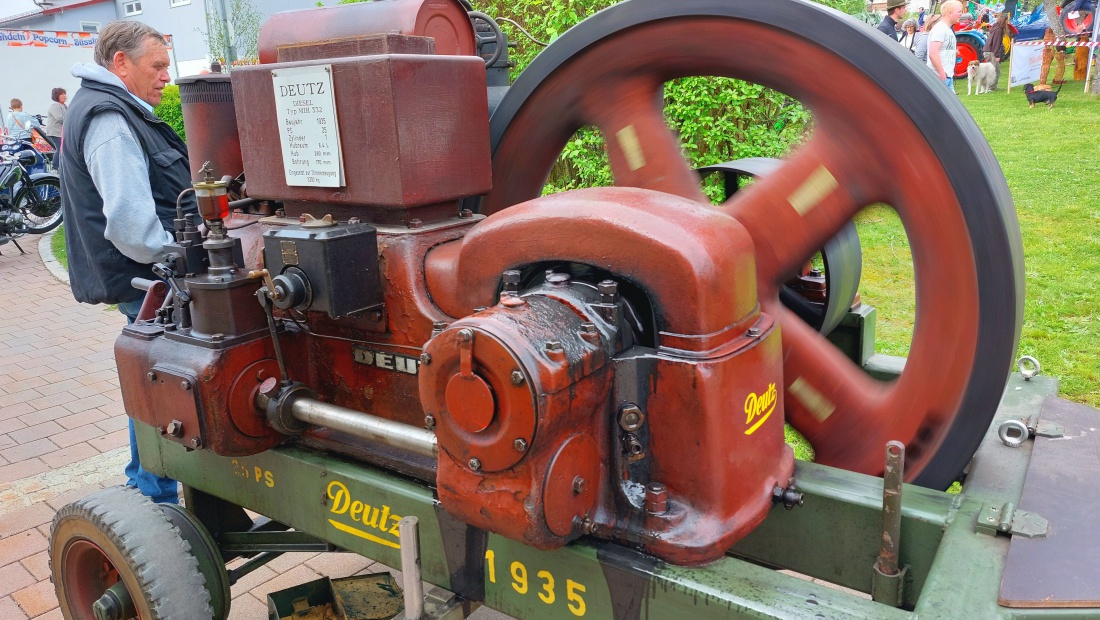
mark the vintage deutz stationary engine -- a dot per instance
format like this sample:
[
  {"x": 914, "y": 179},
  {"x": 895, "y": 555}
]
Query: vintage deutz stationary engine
[{"x": 604, "y": 362}]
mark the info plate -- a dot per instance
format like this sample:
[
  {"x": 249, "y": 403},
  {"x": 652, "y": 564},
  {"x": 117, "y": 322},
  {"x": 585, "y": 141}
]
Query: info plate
[{"x": 308, "y": 129}]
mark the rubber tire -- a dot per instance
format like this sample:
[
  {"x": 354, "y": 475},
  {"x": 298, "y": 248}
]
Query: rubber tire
[
  {"x": 152, "y": 559},
  {"x": 23, "y": 195},
  {"x": 203, "y": 547}
]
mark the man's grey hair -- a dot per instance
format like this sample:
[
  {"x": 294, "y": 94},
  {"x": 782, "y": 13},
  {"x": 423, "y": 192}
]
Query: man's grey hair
[{"x": 126, "y": 36}]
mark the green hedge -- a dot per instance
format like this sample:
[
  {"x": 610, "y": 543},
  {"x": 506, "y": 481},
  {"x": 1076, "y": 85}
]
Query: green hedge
[
  {"x": 170, "y": 109},
  {"x": 717, "y": 119}
]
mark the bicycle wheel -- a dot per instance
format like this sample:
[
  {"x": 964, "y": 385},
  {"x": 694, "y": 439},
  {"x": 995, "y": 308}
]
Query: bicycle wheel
[{"x": 40, "y": 203}]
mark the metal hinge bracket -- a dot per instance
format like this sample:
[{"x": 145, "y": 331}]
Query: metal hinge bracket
[{"x": 1006, "y": 519}]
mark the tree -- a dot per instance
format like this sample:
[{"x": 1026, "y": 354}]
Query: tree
[
  {"x": 1050, "y": 8},
  {"x": 234, "y": 39}
]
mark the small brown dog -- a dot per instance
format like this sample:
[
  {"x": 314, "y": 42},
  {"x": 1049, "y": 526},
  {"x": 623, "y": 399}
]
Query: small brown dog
[
  {"x": 981, "y": 76},
  {"x": 1041, "y": 94}
]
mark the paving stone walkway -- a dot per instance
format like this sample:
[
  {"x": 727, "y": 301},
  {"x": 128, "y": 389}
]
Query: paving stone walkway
[{"x": 63, "y": 436}]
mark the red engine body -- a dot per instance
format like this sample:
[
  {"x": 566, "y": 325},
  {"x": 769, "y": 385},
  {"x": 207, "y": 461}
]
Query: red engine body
[{"x": 594, "y": 362}]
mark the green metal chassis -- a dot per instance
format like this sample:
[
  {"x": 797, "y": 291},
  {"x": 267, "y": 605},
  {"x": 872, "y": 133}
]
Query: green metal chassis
[{"x": 954, "y": 571}]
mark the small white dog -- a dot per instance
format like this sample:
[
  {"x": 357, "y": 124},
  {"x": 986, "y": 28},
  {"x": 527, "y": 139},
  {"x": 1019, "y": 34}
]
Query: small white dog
[{"x": 981, "y": 77}]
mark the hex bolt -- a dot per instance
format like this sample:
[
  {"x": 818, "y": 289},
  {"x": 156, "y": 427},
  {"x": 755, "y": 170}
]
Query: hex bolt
[
  {"x": 558, "y": 279},
  {"x": 590, "y": 334},
  {"x": 579, "y": 485},
  {"x": 185, "y": 384},
  {"x": 511, "y": 280},
  {"x": 437, "y": 327},
  {"x": 520, "y": 445},
  {"x": 553, "y": 346},
  {"x": 195, "y": 443},
  {"x": 630, "y": 417},
  {"x": 753, "y": 332},
  {"x": 429, "y": 421},
  {"x": 152, "y": 376},
  {"x": 416, "y": 223},
  {"x": 174, "y": 428},
  {"x": 815, "y": 273},
  {"x": 217, "y": 337},
  {"x": 475, "y": 464},
  {"x": 518, "y": 378},
  {"x": 465, "y": 214},
  {"x": 465, "y": 335},
  {"x": 656, "y": 498},
  {"x": 609, "y": 291},
  {"x": 425, "y": 359}
]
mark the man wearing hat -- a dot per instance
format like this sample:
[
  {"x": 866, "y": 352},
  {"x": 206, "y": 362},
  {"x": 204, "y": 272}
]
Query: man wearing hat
[{"x": 895, "y": 10}]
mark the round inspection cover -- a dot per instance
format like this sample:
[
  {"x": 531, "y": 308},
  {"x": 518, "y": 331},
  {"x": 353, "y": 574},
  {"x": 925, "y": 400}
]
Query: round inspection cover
[
  {"x": 572, "y": 484},
  {"x": 464, "y": 432},
  {"x": 470, "y": 402},
  {"x": 242, "y": 398},
  {"x": 944, "y": 183}
]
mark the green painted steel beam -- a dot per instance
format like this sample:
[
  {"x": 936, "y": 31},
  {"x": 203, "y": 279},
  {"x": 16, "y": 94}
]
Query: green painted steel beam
[{"x": 954, "y": 571}]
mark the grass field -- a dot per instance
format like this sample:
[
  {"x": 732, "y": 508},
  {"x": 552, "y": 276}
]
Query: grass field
[{"x": 1051, "y": 159}]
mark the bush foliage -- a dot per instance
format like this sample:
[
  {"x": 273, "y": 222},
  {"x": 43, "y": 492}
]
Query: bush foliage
[
  {"x": 717, "y": 119},
  {"x": 170, "y": 110}
]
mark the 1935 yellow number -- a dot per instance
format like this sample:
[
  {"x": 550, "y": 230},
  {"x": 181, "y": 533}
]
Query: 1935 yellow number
[{"x": 545, "y": 588}]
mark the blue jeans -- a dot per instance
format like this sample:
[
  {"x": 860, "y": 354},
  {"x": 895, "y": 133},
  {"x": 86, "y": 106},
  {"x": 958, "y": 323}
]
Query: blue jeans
[
  {"x": 160, "y": 490},
  {"x": 950, "y": 82}
]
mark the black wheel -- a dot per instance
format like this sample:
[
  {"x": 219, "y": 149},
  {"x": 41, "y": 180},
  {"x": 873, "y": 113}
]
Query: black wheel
[
  {"x": 119, "y": 540},
  {"x": 40, "y": 203},
  {"x": 205, "y": 550}
]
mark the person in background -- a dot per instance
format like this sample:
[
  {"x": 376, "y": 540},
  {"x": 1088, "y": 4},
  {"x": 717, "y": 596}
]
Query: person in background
[
  {"x": 122, "y": 169},
  {"x": 995, "y": 43},
  {"x": 920, "y": 18},
  {"x": 920, "y": 48},
  {"x": 942, "y": 45},
  {"x": 55, "y": 117},
  {"x": 909, "y": 34},
  {"x": 19, "y": 123},
  {"x": 895, "y": 10}
]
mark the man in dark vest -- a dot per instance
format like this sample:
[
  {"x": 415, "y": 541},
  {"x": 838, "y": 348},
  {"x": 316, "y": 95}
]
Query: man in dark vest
[
  {"x": 895, "y": 11},
  {"x": 121, "y": 172}
]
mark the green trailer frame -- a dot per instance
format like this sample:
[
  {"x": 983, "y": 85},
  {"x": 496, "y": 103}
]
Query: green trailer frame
[{"x": 953, "y": 567}]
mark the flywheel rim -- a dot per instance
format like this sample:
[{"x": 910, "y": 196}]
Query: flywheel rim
[{"x": 936, "y": 119}]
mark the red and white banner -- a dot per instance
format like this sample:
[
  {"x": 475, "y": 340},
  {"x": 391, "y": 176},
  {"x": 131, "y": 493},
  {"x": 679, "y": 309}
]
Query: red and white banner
[
  {"x": 51, "y": 38},
  {"x": 1058, "y": 43}
]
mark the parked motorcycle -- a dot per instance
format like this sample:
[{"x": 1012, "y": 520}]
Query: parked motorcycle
[{"x": 30, "y": 202}]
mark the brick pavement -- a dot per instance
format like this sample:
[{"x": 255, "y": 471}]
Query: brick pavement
[{"x": 63, "y": 436}]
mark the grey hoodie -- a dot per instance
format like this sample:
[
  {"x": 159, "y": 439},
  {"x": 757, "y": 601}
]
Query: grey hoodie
[{"x": 120, "y": 171}]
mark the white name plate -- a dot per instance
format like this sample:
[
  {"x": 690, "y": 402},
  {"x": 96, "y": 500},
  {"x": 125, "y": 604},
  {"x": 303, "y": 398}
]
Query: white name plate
[{"x": 308, "y": 130}]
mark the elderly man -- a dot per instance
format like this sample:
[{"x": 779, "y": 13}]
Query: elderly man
[
  {"x": 895, "y": 10},
  {"x": 941, "y": 43},
  {"x": 122, "y": 169}
]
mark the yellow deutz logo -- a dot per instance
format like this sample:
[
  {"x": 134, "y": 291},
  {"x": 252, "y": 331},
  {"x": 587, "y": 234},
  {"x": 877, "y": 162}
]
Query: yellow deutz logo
[
  {"x": 758, "y": 407},
  {"x": 371, "y": 523}
]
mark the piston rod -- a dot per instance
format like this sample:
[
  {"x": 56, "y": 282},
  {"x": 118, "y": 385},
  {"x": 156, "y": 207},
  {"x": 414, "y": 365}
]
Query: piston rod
[{"x": 366, "y": 426}]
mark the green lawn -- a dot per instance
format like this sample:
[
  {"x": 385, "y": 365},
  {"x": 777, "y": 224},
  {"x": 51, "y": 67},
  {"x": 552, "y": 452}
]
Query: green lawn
[
  {"x": 1051, "y": 159},
  {"x": 57, "y": 246}
]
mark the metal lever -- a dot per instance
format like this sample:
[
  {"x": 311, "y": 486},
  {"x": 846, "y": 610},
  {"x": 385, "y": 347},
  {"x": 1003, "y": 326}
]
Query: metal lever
[
  {"x": 409, "y": 531},
  {"x": 888, "y": 580}
]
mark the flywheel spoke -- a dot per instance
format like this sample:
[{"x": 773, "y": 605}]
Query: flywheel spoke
[
  {"x": 643, "y": 150},
  {"x": 792, "y": 212}
]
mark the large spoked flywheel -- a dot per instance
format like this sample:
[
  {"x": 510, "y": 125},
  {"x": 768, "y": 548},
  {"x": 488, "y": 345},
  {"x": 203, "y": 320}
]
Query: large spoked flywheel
[{"x": 885, "y": 131}]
